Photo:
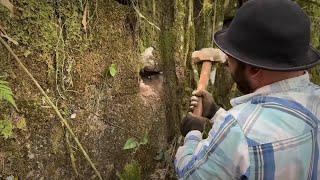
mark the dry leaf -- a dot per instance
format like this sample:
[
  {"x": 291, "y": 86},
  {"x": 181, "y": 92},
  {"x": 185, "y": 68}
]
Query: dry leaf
[
  {"x": 9, "y": 5},
  {"x": 73, "y": 116},
  {"x": 84, "y": 18}
]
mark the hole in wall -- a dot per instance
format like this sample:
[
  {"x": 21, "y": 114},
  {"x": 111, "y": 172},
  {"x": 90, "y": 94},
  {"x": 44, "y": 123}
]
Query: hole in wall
[
  {"x": 151, "y": 77},
  {"x": 125, "y": 2}
]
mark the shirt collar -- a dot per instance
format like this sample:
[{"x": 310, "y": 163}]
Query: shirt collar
[{"x": 295, "y": 83}]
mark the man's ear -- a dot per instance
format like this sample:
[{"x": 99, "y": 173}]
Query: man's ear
[{"x": 255, "y": 73}]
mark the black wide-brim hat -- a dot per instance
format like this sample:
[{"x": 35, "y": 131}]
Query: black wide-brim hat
[{"x": 270, "y": 34}]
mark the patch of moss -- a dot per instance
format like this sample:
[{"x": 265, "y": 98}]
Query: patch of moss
[
  {"x": 315, "y": 75},
  {"x": 49, "y": 32},
  {"x": 167, "y": 41},
  {"x": 132, "y": 171}
]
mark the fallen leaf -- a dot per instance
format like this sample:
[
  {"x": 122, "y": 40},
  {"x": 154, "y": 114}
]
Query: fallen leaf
[{"x": 73, "y": 116}]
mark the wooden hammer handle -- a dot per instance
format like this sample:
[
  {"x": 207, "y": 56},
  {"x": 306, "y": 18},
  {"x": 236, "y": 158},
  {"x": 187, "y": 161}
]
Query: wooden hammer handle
[{"x": 202, "y": 85}]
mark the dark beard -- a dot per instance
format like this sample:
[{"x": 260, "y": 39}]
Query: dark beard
[{"x": 241, "y": 80}]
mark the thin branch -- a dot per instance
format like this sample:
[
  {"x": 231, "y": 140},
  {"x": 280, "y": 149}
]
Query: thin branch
[
  {"x": 72, "y": 158},
  {"x": 62, "y": 120},
  {"x": 143, "y": 17}
]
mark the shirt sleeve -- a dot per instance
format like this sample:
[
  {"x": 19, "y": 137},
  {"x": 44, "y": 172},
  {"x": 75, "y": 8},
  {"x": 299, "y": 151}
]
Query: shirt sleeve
[{"x": 223, "y": 155}]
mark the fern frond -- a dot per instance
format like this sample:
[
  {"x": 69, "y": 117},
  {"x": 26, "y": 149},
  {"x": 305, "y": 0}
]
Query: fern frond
[{"x": 6, "y": 93}]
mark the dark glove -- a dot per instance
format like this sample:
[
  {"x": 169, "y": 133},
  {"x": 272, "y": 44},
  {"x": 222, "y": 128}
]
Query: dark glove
[
  {"x": 192, "y": 122},
  {"x": 209, "y": 106}
]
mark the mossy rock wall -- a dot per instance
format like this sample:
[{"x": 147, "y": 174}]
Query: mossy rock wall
[{"x": 69, "y": 46}]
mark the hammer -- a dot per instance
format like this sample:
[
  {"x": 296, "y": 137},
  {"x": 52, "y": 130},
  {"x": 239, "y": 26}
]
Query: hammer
[{"x": 206, "y": 56}]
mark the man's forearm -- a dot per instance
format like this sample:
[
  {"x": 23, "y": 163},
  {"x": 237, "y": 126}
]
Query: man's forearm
[{"x": 194, "y": 146}]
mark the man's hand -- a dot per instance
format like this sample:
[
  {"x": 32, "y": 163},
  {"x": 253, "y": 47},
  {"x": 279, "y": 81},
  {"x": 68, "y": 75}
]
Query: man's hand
[
  {"x": 209, "y": 54},
  {"x": 192, "y": 122},
  {"x": 209, "y": 106}
]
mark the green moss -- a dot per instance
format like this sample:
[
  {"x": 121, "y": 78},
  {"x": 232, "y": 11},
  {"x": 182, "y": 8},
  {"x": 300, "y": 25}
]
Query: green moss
[
  {"x": 132, "y": 171},
  {"x": 4, "y": 11},
  {"x": 167, "y": 41},
  {"x": 315, "y": 75},
  {"x": 57, "y": 135},
  {"x": 148, "y": 34},
  {"x": 44, "y": 29},
  {"x": 35, "y": 29},
  {"x": 313, "y": 12}
]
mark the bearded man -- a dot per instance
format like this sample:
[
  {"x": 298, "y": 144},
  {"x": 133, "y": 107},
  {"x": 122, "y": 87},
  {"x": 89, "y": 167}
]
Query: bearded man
[{"x": 272, "y": 131}]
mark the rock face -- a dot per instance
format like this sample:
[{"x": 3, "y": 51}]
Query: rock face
[
  {"x": 70, "y": 46},
  {"x": 73, "y": 66}
]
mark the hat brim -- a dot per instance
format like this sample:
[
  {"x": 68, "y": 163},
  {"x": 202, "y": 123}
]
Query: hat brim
[{"x": 311, "y": 58}]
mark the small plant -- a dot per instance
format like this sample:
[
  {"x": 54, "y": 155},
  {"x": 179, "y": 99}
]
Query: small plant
[
  {"x": 133, "y": 143},
  {"x": 113, "y": 70},
  {"x": 6, "y": 93},
  {"x": 131, "y": 171},
  {"x": 6, "y": 126}
]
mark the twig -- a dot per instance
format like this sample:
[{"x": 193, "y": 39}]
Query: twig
[
  {"x": 143, "y": 17},
  {"x": 72, "y": 158},
  {"x": 57, "y": 60},
  {"x": 64, "y": 121}
]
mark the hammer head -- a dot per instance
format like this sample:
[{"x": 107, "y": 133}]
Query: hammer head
[{"x": 209, "y": 54}]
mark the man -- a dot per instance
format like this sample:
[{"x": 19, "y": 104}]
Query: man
[{"x": 272, "y": 131}]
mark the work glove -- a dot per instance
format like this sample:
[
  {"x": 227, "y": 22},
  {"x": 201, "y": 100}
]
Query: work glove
[
  {"x": 192, "y": 122},
  {"x": 209, "y": 106}
]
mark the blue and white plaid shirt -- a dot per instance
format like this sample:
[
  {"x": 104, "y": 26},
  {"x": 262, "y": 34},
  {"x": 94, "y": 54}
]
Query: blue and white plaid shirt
[{"x": 269, "y": 134}]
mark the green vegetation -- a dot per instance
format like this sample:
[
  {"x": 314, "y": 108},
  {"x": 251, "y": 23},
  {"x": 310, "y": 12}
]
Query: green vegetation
[
  {"x": 6, "y": 93},
  {"x": 7, "y": 126},
  {"x": 133, "y": 143},
  {"x": 113, "y": 70},
  {"x": 131, "y": 171}
]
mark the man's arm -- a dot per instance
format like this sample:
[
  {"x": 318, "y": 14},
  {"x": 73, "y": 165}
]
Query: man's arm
[{"x": 223, "y": 155}]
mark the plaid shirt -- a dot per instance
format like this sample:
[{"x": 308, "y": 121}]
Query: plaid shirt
[{"x": 269, "y": 134}]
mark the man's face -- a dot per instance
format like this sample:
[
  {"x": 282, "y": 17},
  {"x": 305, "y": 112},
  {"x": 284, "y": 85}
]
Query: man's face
[{"x": 238, "y": 73}]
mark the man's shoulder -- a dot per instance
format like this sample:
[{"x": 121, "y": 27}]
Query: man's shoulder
[{"x": 269, "y": 119}]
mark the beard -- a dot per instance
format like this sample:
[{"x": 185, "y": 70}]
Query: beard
[{"x": 243, "y": 83}]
